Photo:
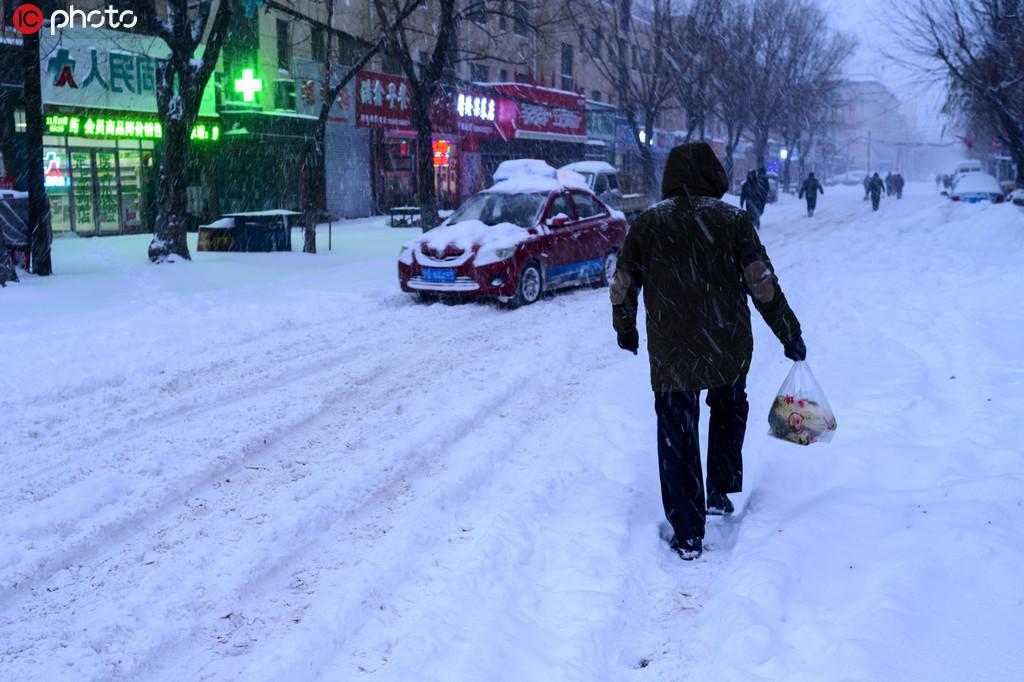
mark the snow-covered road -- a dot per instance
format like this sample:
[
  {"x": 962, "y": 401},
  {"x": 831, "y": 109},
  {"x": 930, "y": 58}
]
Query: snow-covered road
[{"x": 276, "y": 467}]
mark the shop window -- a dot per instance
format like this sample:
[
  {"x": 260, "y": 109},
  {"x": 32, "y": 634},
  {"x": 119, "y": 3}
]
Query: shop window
[
  {"x": 284, "y": 95},
  {"x": 522, "y": 17},
  {"x": 567, "y": 67},
  {"x": 478, "y": 73},
  {"x": 523, "y": 78},
  {"x": 317, "y": 45},
  {"x": 284, "y": 44},
  {"x": 503, "y": 76},
  {"x": 595, "y": 95}
]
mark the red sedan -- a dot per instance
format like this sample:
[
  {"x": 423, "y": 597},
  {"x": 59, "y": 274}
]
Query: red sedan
[{"x": 535, "y": 230}]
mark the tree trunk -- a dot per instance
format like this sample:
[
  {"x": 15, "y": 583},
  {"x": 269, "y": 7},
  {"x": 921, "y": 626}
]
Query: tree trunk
[
  {"x": 169, "y": 235},
  {"x": 315, "y": 191},
  {"x": 761, "y": 150},
  {"x": 39, "y": 229},
  {"x": 426, "y": 194}
]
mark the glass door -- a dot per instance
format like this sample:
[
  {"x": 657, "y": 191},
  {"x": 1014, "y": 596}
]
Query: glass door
[
  {"x": 105, "y": 163},
  {"x": 57, "y": 179},
  {"x": 131, "y": 168},
  {"x": 94, "y": 191},
  {"x": 82, "y": 192}
]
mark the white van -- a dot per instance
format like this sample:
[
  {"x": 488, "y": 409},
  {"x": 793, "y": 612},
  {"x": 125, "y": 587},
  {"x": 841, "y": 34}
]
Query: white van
[{"x": 965, "y": 167}]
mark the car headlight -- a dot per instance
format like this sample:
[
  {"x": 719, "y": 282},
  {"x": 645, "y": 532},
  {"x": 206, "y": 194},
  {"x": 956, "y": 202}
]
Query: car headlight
[
  {"x": 488, "y": 256},
  {"x": 405, "y": 255}
]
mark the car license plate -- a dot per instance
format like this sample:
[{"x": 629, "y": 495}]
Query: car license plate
[{"x": 439, "y": 274}]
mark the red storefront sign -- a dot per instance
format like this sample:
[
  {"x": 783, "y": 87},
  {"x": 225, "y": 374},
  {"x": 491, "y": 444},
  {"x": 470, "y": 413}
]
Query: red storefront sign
[
  {"x": 382, "y": 101},
  {"x": 545, "y": 113},
  {"x": 516, "y": 111}
]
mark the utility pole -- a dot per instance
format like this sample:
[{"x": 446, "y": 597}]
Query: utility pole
[
  {"x": 39, "y": 235},
  {"x": 868, "y": 169}
]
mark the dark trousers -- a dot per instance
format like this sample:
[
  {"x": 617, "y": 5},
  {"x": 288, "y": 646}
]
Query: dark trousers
[
  {"x": 875, "y": 198},
  {"x": 812, "y": 202},
  {"x": 755, "y": 215},
  {"x": 682, "y": 481}
]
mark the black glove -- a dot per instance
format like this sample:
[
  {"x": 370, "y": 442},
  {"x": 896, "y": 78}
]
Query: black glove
[
  {"x": 629, "y": 341},
  {"x": 796, "y": 350}
]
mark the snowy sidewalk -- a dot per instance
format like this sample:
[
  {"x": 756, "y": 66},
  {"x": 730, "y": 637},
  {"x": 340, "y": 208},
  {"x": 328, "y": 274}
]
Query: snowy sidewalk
[{"x": 272, "y": 466}]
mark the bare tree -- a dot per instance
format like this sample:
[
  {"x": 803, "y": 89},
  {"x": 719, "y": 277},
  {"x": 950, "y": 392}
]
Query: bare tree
[
  {"x": 334, "y": 81},
  {"x": 977, "y": 48},
  {"x": 637, "y": 62},
  {"x": 696, "y": 55},
  {"x": 184, "y": 25},
  {"x": 814, "y": 92},
  {"x": 730, "y": 85}
]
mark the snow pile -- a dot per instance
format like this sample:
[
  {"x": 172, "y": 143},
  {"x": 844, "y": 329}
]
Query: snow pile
[
  {"x": 593, "y": 167},
  {"x": 275, "y": 466},
  {"x": 468, "y": 234},
  {"x": 523, "y": 176}
]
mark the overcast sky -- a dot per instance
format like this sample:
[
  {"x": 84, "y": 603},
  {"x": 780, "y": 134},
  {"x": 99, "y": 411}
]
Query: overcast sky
[{"x": 870, "y": 21}]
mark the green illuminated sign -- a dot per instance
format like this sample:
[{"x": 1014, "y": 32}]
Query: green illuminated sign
[
  {"x": 248, "y": 85},
  {"x": 91, "y": 126}
]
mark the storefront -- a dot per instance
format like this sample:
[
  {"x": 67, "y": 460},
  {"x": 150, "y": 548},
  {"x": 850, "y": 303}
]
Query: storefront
[
  {"x": 102, "y": 134},
  {"x": 347, "y": 148},
  {"x": 463, "y": 119},
  {"x": 600, "y": 132},
  {"x": 538, "y": 123}
]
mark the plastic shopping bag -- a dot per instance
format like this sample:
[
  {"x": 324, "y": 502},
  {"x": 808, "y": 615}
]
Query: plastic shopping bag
[{"x": 801, "y": 413}]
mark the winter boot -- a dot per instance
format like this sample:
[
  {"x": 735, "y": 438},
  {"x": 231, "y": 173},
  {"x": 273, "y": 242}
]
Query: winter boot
[
  {"x": 719, "y": 504},
  {"x": 688, "y": 549}
]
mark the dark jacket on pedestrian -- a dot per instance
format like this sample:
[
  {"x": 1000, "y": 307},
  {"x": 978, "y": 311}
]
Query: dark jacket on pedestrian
[
  {"x": 811, "y": 188},
  {"x": 697, "y": 258},
  {"x": 876, "y": 186},
  {"x": 752, "y": 194}
]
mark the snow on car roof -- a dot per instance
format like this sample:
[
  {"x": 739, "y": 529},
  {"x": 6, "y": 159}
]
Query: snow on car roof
[
  {"x": 589, "y": 167},
  {"x": 520, "y": 176},
  {"x": 978, "y": 182}
]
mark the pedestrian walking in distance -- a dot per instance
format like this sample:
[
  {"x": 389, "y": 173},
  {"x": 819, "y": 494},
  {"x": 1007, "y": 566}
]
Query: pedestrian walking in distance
[
  {"x": 875, "y": 187},
  {"x": 810, "y": 189},
  {"x": 867, "y": 186},
  {"x": 697, "y": 259},
  {"x": 897, "y": 183},
  {"x": 753, "y": 197},
  {"x": 890, "y": 186}
]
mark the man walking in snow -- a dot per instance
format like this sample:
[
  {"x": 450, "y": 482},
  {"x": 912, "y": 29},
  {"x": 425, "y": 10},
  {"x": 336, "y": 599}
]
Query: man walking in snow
[
  {"x": 810, "y": 189},
  {"x": 875, "y": 187},
  {"x": 697, "y": 258},
  {"x": 897, "y": 183},
  {"x": 753, "y": 198}
]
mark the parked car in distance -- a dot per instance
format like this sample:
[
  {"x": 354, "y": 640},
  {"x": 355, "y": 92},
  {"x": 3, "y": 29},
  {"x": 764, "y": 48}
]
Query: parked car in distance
[
  {"x": 1017, "y": 197},
  {"x": 965, "y": 168},
  {"x": 603, "y": 180},
  {"x": 851, "y": 178},
  {"x": 973, "y": 188},
  {"x": 536, "y": 229}
]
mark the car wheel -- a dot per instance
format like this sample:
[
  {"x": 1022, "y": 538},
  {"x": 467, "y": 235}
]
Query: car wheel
[
  {"x": 530, "y": 287},
  {"x": 611, "y": 261}
]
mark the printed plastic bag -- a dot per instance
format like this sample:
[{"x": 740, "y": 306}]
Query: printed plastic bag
[{"x": 801, "y": 413}]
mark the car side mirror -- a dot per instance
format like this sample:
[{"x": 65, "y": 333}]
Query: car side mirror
[{"x": 558, "y": 221}]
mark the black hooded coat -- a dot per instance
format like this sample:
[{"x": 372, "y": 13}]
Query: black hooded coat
[{"x": 697, "y": 258}]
